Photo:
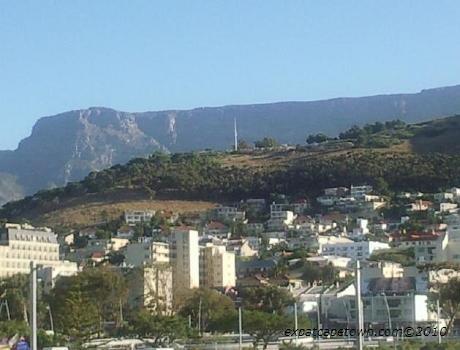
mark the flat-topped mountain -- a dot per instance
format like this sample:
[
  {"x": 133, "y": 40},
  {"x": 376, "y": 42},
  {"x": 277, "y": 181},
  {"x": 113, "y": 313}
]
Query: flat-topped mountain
[{"x": 67, "y": 146}]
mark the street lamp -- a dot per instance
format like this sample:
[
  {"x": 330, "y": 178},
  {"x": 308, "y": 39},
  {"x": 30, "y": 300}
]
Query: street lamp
[
  {"x": 389, "y": 318},
  {"x": 239, "y": 303},
  {"x": 48, "y": 307}
]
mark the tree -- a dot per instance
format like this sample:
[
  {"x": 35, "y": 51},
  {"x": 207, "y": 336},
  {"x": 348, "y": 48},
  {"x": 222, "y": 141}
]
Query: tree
[
  {"x": 164, "y": 330},
  {"x": 263, "y": 326},
  {"x": 244, "y": 145},
  {"x": 218, "y": 312},
  {"x": 449, "y": 300},
  {"x": 81, "y": 303},
  {"x": 9, "y": 329},
  {"x": 267, "y": 299},
  {"x": 15, "y": 290},
  {"x": 266, "y": 142},
  {"x": 317, "y": 138},
  {"x": 313, "y": 273}
]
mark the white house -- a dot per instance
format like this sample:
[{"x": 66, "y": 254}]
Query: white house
[{"x": 355, "y": 250}]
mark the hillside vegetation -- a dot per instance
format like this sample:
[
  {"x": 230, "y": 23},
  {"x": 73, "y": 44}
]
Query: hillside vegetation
[{"x": 213, "y": 177}]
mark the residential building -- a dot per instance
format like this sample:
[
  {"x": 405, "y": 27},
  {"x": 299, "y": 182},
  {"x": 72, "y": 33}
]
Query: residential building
[
  {"x": 359, "y": 192},
  {"x": 138, "y": 216},
  {"x": 355, "y": 250},
  {"x": 217, "y": 229},
  {"x": 230, "y": 213},
  {"x": 19, "y": 245},
  {"x": 146, "y": 251},
  {"x": 184, "y": 254},
  {"x": 336, "y": 191},
  {"x": 428, "y": 246},
  {"x": 151, "y": 286},
  {"x": 419, "y": 205},
  {"x": 280, "y": 219},
  {"x": 217, "y": 267}
]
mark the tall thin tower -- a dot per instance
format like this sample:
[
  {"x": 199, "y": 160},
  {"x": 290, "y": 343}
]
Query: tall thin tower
[{"x": 235, "y": 131}]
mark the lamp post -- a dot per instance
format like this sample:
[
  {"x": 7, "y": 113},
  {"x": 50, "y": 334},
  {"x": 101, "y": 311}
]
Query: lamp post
[
  {"x": 33, "y": 306},
  {"x": 51, "y": 318},
  {"x": 239, "y": 303},
  {"x": 389, "y": 318},
  {"x": 438, "y": 320},
  {"x": 359, "y": 307},
  {"x": 296, "y": 323}
]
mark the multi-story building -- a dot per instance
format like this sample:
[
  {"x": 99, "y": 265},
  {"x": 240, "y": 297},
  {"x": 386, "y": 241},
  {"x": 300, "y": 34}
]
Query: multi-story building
[
  {"x": 355, "y": 250},
  {"x": 184, "y": 254},
  {"x": 281, "y": 219},
  {"x": 146, "y": 251},
  {"x": 138, "y": 216},
  {"x": 230, "y": 213},
  {"x": 151, "y": 286},
  {"x": 217, "y": 267},
  {"x": 428, "y": 246},
  {"x": 19, "y": 245},
  {"x": 359, "y": 192}
]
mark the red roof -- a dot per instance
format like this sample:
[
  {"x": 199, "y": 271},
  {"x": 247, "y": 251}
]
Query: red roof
[
  {"x": 215, "y": 225},
  {"x": 419, "y": 236},
  {"x": 97, "y": 255}
]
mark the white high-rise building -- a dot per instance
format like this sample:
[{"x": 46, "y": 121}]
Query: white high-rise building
[
  {"x": 217, "y": 267},
  {"x": 146, "y": 251},
  {"x": 185, "y": 254}
]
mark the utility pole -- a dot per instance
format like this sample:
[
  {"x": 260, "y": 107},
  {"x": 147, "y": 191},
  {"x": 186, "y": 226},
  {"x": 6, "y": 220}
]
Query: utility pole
[
  {"x": 389, "y": 319},
  {"x": 359, "y": 308},
  {"x": 296, "y": 323},
  {"x": 438, "y": 320},
  {"x": 199, "y": 317},
  {"x": 33, "y": 306},
  {"x": 240, "y": 327}
]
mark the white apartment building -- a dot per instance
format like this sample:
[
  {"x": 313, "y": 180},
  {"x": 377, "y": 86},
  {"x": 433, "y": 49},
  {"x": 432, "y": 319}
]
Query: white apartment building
[
  {"x": 138, "y": 216},
  {"x": 217, "y": 267},
  {"x": 281, "y": 219},
  {"x": 146, "y": 251},
  {"x": 354, "y": 250},
  {"x": 359, "y": 192},
  {"x": 151, "y": 286},
  {"x": 19, "y": 245},
  {"x": 184, "y": 253},
  {"x": 230, "y": 213}
]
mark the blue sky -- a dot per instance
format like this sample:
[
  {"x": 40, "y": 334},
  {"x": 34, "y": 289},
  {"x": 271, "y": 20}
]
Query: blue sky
[{"x": 138, "y": 55}]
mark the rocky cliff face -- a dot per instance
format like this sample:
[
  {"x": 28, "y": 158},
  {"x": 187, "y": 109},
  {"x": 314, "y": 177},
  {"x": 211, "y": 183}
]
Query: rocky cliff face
[{"x": 68, "y": 146}]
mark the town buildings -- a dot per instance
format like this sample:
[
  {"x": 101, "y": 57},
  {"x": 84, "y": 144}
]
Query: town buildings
[{"x": 21, "y": 244}]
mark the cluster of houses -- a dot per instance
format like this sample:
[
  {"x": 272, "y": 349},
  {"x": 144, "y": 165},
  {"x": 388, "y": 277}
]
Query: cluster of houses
[{"x": 244, "y": 243}]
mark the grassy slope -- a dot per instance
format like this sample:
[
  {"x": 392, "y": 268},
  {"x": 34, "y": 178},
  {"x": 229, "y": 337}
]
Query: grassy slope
[{"x": 440, "y": 135}]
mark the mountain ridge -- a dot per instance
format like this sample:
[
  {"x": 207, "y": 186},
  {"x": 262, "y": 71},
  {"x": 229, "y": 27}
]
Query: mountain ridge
[{"x": 67, "y": 146}]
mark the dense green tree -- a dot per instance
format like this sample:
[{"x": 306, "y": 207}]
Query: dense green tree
[
  {"x": 317, "y": 138},
  {"x": 81, "y": 303},
  {"x": 270, "y": 299},
  {"x": 218, "y": 312},
  {"x": 264, "y": 327},
  {"x": 15, "y": 291},
  {"x": 312, "y": 272},
  {"x": 449, "y": 299},
  {"x": 266, "y": 142},
  {"x": 164, "y": 330}
]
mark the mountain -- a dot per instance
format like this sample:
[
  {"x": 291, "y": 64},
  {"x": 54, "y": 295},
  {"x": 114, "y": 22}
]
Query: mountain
[{"x": 68, "y": 146}]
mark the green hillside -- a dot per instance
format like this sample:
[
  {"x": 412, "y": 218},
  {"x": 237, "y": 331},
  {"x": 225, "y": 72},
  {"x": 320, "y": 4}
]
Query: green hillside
[{"x": 402, "y": 162}]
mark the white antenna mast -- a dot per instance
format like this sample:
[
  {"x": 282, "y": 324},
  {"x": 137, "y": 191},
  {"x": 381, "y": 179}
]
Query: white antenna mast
[{"x": 236, "y": 135}]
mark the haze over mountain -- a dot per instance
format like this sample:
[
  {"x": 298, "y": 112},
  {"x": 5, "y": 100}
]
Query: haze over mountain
[{"x": 68, "y": 146}]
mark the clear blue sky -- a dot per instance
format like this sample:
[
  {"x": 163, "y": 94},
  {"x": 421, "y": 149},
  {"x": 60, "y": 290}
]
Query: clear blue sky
[{"x": 150, "y": 55}]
